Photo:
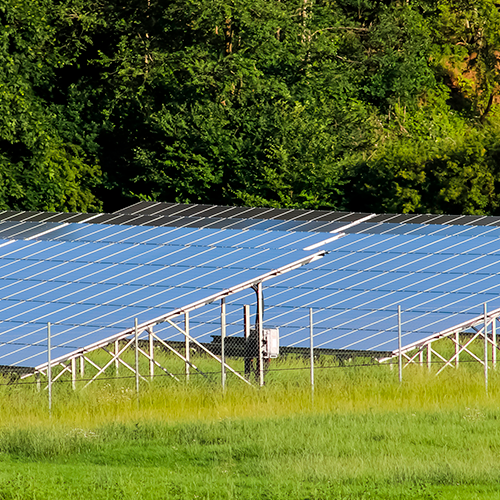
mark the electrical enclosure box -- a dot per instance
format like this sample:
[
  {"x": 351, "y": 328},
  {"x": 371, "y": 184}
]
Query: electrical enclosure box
[{"x": 271, "y": 338}]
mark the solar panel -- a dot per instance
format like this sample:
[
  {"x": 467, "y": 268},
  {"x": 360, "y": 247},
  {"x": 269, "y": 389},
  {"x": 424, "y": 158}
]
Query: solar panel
[
  {"x": 87, "y": 279},
  {"x": 92, "y": 279}
]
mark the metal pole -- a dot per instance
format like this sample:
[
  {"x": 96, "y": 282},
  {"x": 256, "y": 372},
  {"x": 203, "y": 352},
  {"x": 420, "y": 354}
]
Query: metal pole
[
  {"x": 260, "y": 333},
  {"x": 117, "y": 363},
  {"x": 248, "y": 358},
  {"x": 222, "y": 338},
  {"x": 73, "y": 373},
  {"x": 485, "y": 348},
  {"x": 494, "y": 343},
  {"x": 137, "y": 360},
  {"x": 400, "y": 359},
  {"x": 429, "y": 356},
  {"x": 311, "y": 337},
  {"x": 82, "y": 366},
  {"x": 151, "y": 354},
  {"x": 49, "y": 369},
  {"x": 188, "y": 351},
  {"x": 457, "y": 349}
]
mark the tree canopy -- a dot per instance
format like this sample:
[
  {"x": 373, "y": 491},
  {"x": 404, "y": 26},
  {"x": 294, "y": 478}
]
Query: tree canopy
[{"x": 339, "y": 104}]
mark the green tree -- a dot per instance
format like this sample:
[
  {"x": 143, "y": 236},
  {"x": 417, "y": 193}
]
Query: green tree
[{"x": 41, "y": 167}]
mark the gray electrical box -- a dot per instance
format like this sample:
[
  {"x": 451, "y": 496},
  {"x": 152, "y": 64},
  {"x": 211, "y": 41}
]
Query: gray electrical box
[{"x": 271, "y": 338}]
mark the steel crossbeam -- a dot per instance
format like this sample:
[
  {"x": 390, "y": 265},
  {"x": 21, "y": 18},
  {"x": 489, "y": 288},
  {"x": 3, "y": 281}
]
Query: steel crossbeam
[
  {"x": 210, "y": 353},
  {"x": 178, "y": 354},
  {"x": 158, "y": 365}
]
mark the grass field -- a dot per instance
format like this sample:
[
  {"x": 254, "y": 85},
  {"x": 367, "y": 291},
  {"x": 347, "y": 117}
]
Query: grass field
[{"x": 365, "y": 436}]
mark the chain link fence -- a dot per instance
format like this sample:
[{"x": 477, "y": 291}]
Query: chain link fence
[{"x": 224, "y": 346}]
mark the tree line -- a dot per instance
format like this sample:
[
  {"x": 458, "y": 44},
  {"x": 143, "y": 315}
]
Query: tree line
[{"x": 363, "y": 105}]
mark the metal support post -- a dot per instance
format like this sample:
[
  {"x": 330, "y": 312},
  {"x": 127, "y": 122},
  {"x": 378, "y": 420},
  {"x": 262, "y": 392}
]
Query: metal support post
[
  {"x": 485, "y": 331},
  {"x": 429, "y": 356},
  {"x": 311, "y": 337},
  {"x": 82, "y": 366},
  {"x": 421, "y": 357},
  {"x": 260, "y": 332},
  {"x": 73, "y": 373},
  {"x": 151, "y": 353},
  {"x": 137, "y": 360},
  {"x": 248, "y": 356},
  {"x": 187, "y": 354},
  {"x": 117, "y": 362},
  {"x": 49, "y": 369},
  {"x": 494, "y": 343},
  {"x": 400, "y": 358},
  {"x": 38, "y": 382},
  {"x": 222, "y": 339},
  {"x": 457, "y": 348}
]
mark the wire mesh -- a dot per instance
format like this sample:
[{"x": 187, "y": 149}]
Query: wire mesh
[{"x": 219, "y": 345}]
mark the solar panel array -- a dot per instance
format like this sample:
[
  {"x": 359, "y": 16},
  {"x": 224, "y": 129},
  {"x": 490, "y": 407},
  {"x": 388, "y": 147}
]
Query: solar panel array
[{"x": 91, "y": 275}]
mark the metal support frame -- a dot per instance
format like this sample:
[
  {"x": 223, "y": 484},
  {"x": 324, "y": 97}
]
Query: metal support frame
[
  {"x": 400, "y": 358},
  {"x": 49, "y": 368},
  {"x": 246, "y": 326},
  {"x": 414, "y": 353},
  {"x": 151, "y": 354},
  {"x": 138, "y": 328},
  {"x": 114, "y": 357},
  {"x": 494, "y": 343},
  {"x": 260, "y": 332},
  {"x": 222, "y": 340},
  {"x": 187, "y": 346},
  {"x": 311, "y": 353},
  {"x": 485, "y": 333},
  {"x": 210, "y": 353},
  {"x": 117, "y": 363},
  {"x": 136, "y": 346},
  {"x": 73, "y": 373}
]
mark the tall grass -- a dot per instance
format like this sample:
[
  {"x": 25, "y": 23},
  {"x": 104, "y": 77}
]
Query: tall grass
[
  {"x": 363, "y": 435},
  {"x": 338, "y": 390}
]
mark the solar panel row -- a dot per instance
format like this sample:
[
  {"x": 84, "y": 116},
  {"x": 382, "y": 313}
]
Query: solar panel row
[
  {"x": 182, "y": 210},
  {"x": 91, "y": 279},
  {"x": 179, "y": 215},
  {"x": 88, "y": 279}
]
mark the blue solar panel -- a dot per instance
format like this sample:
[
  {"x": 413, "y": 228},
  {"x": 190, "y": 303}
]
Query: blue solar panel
[
  {"x": 91, "y": 281},
  {"x": 88, "y": 282}
]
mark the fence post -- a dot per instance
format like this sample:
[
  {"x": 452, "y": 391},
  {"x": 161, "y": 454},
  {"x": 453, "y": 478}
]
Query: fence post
[
  {"x": 136, "y": 331},
  {"x": 187, "y": 346},
  {"x": 260, "y": 316},
  {"x": 246, "y": 323},
  {"x": 485, "y": 331},
  {"x": 151, "y": 354},
  {"x": 73, "y": 373},
  {"x": 311, "y": 336},
  {"x": 400, "y": 359},
  {"x": 49, "y": 369},
  {"x": 117, "y": 363},
  {"x": 494, "y": 343},
  {"x": 222, "y": 338}
]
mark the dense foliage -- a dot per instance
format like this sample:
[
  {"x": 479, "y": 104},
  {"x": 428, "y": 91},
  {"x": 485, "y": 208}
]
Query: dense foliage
[{"x": 361, "y": 105}]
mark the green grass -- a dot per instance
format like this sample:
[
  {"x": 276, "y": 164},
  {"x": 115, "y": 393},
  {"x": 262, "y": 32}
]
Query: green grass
[
  {"x": 445, "y": 454},
  {"x": 365, "y": 436}
]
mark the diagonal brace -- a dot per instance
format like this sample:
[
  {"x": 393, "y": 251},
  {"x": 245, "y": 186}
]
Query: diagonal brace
[{"x": 210, "y": 353}]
